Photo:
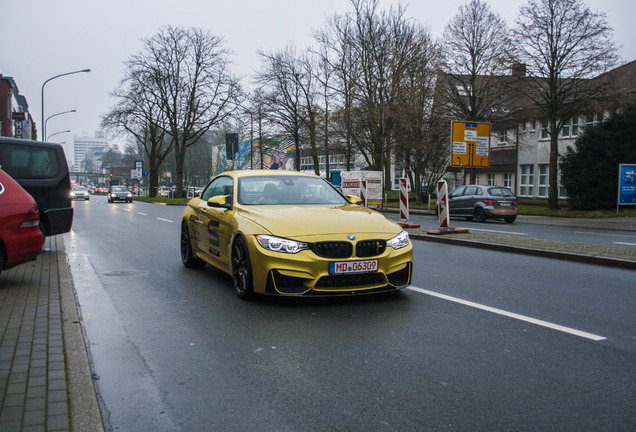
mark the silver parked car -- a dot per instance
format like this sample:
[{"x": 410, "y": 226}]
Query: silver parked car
[{"x": 478, "y": 202}]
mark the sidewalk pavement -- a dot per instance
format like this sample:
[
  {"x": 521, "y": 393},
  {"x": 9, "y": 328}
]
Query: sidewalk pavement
[{"x": 45, "y": 378}]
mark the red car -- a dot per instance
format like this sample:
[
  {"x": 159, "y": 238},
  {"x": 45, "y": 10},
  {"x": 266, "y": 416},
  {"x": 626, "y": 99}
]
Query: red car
[{"x": 20, "y": 235}]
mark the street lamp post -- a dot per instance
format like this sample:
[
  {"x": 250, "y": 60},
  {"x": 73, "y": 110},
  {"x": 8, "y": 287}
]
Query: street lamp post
[
  {"x": 56, "y": 133},
  {"x": 383, "y": 96},
  {"x": 55, "y": 115},
  {"x": 42, "y": 95}
]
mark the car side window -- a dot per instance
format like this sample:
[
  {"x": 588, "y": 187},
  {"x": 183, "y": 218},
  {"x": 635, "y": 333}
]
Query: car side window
[
  {"x": 457, "y": 192},
  {"x": 219, "y": 186},
  {"x": 470, "y": 190}
]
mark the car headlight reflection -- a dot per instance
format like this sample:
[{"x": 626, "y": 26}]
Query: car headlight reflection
[
  {"x": 278, "y": 244},
  {"x": 399, "y": 241}
]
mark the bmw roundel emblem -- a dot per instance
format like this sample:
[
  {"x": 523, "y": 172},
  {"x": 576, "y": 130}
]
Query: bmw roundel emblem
[{"x": 351, "y": 237}]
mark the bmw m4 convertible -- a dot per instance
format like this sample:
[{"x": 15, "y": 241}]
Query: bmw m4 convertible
[{"x": 292, "y": 233}]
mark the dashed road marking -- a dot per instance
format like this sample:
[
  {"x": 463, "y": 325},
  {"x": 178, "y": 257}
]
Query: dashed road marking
[{"x": 502, "y": 312}]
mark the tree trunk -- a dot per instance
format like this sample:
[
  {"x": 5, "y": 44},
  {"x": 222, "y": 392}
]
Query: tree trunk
[{"x": 553, "y": 191}]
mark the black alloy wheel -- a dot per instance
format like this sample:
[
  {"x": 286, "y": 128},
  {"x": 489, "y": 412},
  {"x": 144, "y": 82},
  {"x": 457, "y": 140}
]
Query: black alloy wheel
[
  {"x": 242, "y": 269},
  {"x": 479, "y": 215}
]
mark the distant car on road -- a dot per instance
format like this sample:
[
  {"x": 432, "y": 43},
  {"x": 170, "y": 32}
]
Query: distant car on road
[
  {"x": 163, "y": 191},
  {"x": 119, "y": 193},
  {"x": 291, "y": 233},
  {"x": 20, "y": 235},
  {"x": 80, "y": 193},
  {"x": 479, "y": 202}
]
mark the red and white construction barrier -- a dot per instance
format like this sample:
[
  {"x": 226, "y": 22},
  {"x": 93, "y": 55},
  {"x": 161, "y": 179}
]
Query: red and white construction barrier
[
  {"x": 442, "y": 204},
  {"x": 363, "y": 192},
  {"x": 404, "y": 206},
  {"x": 442, "y": 212},
  {"x": 404, "y": 201}
]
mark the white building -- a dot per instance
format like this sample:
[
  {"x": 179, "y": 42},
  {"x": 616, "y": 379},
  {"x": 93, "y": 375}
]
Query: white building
[{"x": 87, "y": 147}]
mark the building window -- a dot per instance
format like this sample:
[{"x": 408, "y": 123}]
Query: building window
[
  {"x": 591, "y": 120},
  {"x": 575, "y": 126},
  {"x": 565, "y": 131},
  {"x": 545, "y": 127},
  {"x": 507, "y": 180},
  {"x": 571, "y": 128},
  {"x": 526, "y": 184},
  {"x": 503, "y": 137},
  {"x": 491, "y": 179},
  {"x": 543, "y": 180}
]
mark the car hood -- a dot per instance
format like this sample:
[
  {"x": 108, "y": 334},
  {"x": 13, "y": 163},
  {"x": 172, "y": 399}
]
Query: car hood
[{"x": 301, "y": 222}]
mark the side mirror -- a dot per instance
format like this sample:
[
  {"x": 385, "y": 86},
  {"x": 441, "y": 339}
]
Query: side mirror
[
  {"x": 220, "y": 201},
  {"x": 354, "y": 199}
]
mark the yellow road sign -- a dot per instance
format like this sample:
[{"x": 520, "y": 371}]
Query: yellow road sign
[{"x": 470, "y": 144}]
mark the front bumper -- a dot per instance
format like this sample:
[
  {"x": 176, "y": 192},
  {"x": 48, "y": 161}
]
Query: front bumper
[{"x": 305, "y": 273}]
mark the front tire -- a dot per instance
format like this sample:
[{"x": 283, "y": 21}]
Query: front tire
[
  {"x": 242, "y": 269},
  {"x": 187, "y": 255}
]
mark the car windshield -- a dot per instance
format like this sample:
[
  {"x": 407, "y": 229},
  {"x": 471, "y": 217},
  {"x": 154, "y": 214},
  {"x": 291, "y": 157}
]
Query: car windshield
[
  {"x": 79, "y": 188},
  {"x": 501, "y": 191},
  {"x": 120, "y": 189},
  {"x": 287, "y": 190}
]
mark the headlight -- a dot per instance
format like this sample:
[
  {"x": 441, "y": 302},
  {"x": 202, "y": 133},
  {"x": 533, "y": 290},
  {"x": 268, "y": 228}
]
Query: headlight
[
  {"x": 399, "y": 241},
  {"x": 128, "y": 194},
  {"x": 278, "y": 244}
]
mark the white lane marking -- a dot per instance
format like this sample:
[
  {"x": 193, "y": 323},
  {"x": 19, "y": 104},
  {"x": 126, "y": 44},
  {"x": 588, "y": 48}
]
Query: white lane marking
[
  {"x": 625, "y": 243},
  {"x": 511, "y": 315},
  {"x": 605, "y": 234},
  {"x": 143, "y": 214},
  {"x": 165, "y": 220},
  {"x": 498, "y": 232},
  {"x": 127, "y": 209}
]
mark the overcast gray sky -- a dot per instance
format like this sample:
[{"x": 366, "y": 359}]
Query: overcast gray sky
[{"x": 44, "y": 38}]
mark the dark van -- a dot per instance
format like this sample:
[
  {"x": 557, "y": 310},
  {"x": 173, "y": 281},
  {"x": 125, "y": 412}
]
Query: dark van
[{"x": 41, "y": 169}]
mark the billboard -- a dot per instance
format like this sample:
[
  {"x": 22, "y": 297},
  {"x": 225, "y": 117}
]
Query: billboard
[
  {"x": 276, "y": 154},
  {"x": 626, "y": 184}
]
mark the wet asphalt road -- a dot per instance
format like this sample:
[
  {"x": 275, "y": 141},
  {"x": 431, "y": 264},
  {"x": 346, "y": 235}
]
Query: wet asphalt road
[{"x": 520, "y": 343}]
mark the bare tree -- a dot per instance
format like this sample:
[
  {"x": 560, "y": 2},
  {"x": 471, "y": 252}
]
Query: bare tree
[
  {"x": 285, "y": 79},
  {"x": 340, "y": 59},
  {"x": 415, "y": 122},
  {"x": 475, "y": 46},
  {"x": 195, "y": 89},
  {"x": 137, "y": 114},
  {"x": 562, "y": 43}
]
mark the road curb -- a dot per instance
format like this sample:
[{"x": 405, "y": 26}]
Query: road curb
[{"x": 84, "y": 411}]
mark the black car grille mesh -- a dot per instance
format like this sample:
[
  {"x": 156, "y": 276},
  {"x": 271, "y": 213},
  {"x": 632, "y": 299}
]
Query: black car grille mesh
[
  {"x": 370, "y": 248},
  {"x": 339, "y": 250},
  {"x": 332, "y": 249}
]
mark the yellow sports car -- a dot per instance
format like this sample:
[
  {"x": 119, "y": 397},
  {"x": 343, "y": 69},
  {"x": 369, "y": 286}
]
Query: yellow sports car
[{"x": 292, "y": 233}]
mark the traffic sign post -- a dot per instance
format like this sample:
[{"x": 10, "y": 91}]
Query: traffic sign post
[{"x": 470, "y": 144}]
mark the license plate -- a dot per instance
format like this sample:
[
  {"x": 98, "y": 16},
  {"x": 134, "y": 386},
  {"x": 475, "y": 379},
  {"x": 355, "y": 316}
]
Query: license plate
[
  {"x": 344, "y": 267},
  {"x": 504, "y": 204}
]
